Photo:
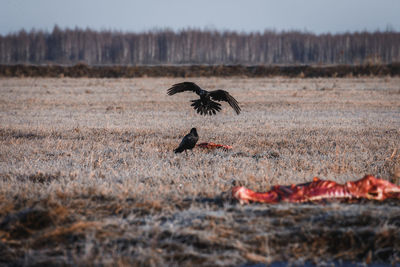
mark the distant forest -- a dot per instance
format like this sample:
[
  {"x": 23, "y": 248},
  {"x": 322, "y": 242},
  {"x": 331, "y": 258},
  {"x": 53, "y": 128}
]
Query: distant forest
[{"x": 71, "y": 46}]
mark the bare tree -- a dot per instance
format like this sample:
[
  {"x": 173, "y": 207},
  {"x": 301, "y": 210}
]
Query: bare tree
[{"x": 192, "y": 46}]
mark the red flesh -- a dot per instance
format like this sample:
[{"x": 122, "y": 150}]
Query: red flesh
[
  {"x": 211, "y": 145},
  {"x": 368, "y": 187}
]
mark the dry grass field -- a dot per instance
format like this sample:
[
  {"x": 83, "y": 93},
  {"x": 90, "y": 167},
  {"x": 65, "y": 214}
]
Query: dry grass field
[{"x": 88, "y": 176}]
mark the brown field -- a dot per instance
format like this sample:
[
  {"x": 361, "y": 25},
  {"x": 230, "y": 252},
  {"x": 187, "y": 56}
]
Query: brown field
[{"x": 88, "y": 176}]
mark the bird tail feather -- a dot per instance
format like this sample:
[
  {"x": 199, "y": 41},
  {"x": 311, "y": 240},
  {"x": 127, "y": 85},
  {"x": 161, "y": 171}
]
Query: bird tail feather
[
  {"x": 178, "y": 150},
  {"x": 208, "y": 109}
]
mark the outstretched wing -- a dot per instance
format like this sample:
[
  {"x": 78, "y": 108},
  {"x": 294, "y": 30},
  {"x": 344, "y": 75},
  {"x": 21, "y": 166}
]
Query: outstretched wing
[
  {"x": 185, "y": 86},
  {"x": 221, "y": 95}
]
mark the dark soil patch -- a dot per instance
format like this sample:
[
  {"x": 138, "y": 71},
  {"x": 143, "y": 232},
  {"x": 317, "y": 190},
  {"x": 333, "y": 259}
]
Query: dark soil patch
[{"x": 301, "y": 71}]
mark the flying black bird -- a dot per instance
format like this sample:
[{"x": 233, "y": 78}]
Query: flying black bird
[
  {"x": 204, "y": 105},
  {"x": 188, "y": 142}
]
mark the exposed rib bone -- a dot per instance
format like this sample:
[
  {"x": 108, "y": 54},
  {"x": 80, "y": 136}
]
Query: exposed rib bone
[{"x": 368, "y": 187}]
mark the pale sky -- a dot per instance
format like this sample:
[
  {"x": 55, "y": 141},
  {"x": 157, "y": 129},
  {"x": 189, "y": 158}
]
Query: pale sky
[{"x": 318, "y": 16}]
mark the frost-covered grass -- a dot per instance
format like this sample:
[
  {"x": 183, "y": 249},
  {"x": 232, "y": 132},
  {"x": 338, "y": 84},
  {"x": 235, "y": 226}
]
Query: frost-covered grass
[{"x": 87, "y": 172}]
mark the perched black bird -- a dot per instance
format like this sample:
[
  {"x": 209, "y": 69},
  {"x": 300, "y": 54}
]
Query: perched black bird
[
  {"x": 204, "y": 105},
  {"x": 188, "y": 142}
]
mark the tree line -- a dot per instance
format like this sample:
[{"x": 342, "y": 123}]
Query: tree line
[{"x": 71, "y": 46}]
